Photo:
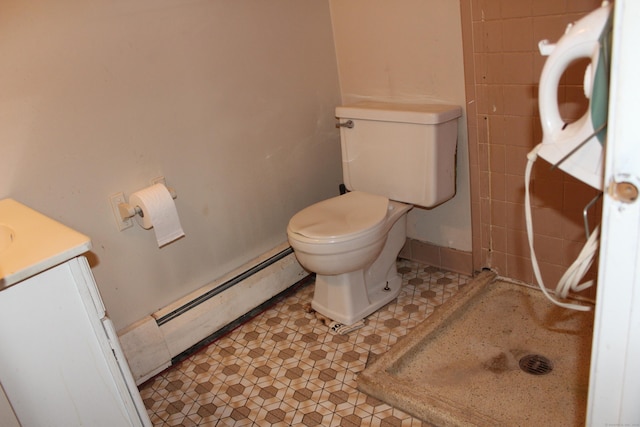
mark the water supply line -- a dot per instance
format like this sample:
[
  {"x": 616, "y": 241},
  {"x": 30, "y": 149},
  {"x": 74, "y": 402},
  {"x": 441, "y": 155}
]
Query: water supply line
[{"x": 570, "y": 281}]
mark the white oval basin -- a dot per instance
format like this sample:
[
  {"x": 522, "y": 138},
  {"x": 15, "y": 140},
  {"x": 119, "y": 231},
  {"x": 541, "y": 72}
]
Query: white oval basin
[{"x": 6, "y": 236}]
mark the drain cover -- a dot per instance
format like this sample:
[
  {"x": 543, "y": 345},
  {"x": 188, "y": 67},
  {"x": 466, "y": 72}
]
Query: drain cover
[{"x": 535, "y": 364}]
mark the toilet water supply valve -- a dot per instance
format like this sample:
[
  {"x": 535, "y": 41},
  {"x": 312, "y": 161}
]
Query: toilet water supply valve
[{"x": 577, "y": 148}]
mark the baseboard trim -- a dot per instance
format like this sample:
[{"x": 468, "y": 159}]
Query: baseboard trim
[{"x": 438, "y": 256}]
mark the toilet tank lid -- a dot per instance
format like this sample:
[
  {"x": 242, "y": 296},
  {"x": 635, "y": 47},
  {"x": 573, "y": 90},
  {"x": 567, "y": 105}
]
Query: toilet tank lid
[
  {"x": 340, "y": 217},
  {"x": 428, "y": 114}
]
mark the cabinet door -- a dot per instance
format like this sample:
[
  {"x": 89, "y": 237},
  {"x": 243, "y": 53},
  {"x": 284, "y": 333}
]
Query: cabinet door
[{"x": 56, "y": 367}]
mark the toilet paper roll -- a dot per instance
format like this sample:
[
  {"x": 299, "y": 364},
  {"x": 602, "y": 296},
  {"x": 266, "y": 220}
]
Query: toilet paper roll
[{"x": 158, "y": 211}]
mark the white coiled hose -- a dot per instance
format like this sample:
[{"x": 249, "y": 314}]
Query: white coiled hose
[{"x": 570, "y": 281}]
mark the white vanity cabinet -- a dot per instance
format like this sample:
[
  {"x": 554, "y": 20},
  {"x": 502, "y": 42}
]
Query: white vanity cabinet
[
  {"x": 60, "y": 360},
  {"x": 61, "y": 364}
]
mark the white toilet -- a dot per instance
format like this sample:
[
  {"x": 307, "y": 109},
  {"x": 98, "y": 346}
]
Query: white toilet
[{"x": 394, "y": 156}]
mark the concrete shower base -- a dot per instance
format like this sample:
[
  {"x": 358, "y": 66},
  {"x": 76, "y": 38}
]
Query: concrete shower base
[{"x": 460, "y": 366}]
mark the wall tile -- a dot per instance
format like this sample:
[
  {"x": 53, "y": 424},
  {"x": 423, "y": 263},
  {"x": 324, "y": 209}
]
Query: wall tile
[
  {"x": 516, "y": 131},
  {"x": 485, "y": 185},
  {"x": 519, "y": 268},
  {"x": 483, "y": 129},
  {"x": 571, "y": 251},
  {"x": 498, "y": 212},
  {"x": 485, "y": 211},
  {"x": 543, "y": 170},
  {"x": 479, "y": 43},
  {"x": 514, "y": 188},
  {"x": 498, "y": 262},
  {"x": 518, "y": 33},
  {"x": 430, "y": 254},
  {"x": 519, "y": 99},
  {"x": 517, "y": 243},
  {"x": 457, "y": 261},
  {"x": 515, "y": 216},
  {"x": 485, "y": 233},
  {"x": 494, "y": 68},
  {"x": 549, "y": 7},
  {"x": 575, "y": 104},
  {"x": 582, "y": 6},
  {"x": 538, "y": 63},
  {"x": 573, "y": 225},
  {"x": 546, "y": 193},
  {"x": 518, "y": 68},
  {"x": 548, "y": 249},
  {"x": 473, "y": 153},
  {"x": 498, "y": 189},
  {"x": 515, "y": 8},
  {"x": 485, "y": 9},
  {"x": 496, "y": 129},
  {"x": 551, "y": 274},
  {"x": 480, "y": 71},
  {"x": 472, "y": 106},
  {"x": 494, "y": 99},
  {"x": 574, "y": 75},
  {"x": 483, "y": 157},
  {"x": 476, "y": 229},
  {"x": 499, "y": 238},
  {"x": 516, "y": 157},
  {"x": 482, "y": 99},
  {"x": 548, "y": 222},
  {"x": 497, "y": 158},
  {"x": 549, "y": 27},
  {"x": 476, "y": 11}
]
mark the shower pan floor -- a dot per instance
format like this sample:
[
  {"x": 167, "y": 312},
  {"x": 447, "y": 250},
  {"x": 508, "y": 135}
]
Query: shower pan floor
[{"x": 461, "y": 365}]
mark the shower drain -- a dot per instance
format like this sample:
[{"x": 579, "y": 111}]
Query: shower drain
[{"x": 535, "y": 364}]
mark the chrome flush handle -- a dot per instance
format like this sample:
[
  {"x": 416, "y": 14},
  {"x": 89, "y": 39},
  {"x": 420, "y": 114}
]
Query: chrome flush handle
[{"x": 347, "y": 124}]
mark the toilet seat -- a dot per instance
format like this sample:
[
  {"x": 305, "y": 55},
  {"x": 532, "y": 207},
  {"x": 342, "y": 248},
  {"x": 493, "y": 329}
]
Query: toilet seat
[{"x": 340, "y": 219}]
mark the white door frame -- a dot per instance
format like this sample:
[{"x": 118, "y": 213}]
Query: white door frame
[{"x": 614, "y": 386}]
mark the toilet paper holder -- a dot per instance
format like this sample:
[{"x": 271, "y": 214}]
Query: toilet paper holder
[{"x": 127, "y": 210}]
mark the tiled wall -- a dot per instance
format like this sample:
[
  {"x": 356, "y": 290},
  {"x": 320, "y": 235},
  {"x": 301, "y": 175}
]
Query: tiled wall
[{"x": 502, "y": 69}]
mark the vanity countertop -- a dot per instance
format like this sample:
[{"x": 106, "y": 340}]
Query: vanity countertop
[{"x": 31, "y": 242}]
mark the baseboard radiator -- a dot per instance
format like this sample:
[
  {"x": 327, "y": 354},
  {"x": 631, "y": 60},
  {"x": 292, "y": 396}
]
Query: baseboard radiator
[{"x": 178, "y": 330}]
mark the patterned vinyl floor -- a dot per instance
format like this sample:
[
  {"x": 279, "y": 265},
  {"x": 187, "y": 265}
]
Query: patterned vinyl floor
[{"x": 284, "y": 367}]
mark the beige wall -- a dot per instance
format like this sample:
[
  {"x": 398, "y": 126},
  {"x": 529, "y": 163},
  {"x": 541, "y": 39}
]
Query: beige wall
[
  {"x": 232, "y": 101},
  {"x": 503, "y": 66},
  {"x": 409, "y": 51}
]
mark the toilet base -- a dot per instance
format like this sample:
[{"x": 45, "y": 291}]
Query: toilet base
[
  {"x": 349, "y": 297},
  {"x": 344, "y": 297}
]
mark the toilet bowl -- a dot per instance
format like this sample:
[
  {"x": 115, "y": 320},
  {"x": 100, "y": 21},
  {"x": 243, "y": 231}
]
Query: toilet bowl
[{"x": 351, "y": 242}]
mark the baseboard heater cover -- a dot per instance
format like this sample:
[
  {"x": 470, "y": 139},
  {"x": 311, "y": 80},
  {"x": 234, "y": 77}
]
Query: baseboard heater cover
[
  {"x": 159, "y": 340},
  {"x": 223, "y": 286}
]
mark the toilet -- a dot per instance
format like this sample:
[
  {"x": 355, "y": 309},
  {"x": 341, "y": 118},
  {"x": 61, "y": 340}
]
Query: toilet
[{"x": 394, "y": 156}]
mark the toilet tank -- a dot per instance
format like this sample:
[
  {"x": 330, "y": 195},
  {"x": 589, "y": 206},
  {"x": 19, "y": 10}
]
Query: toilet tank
[{"x": 406, "y": 152}]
